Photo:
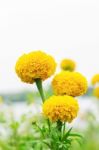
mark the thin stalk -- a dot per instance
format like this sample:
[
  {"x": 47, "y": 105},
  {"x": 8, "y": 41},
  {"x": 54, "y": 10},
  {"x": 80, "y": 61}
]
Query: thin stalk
[
  {"x": 63, "y": 128},
  {"x": 49, "y": 125},
  {"x": 59, "y": 125},
  {"x": 40, "y": 130},
  {"x": 40, "y": 88}
]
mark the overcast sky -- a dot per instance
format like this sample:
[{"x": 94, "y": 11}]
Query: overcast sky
[{"x": 63, "y": 28}]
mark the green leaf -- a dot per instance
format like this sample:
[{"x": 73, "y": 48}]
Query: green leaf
[
  {"x": 76, "y": 135},
  {"x": 67, "y": 133}
]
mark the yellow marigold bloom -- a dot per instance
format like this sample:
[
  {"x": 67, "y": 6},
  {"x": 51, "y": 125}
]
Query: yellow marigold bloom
[
  {"x": 34, "y": 65},
  {"x": 68, "y": 64},
  {"x": 63, "y": 108},
  {"x": 96, "y": 92},
  {"x": 69, "y": 83},
  {"x": 95, "y": 79}
]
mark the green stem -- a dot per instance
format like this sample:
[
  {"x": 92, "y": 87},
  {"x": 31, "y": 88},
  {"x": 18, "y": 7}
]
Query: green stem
[
  {"x": 63, "y": 128},
  {"x": 59, "y": 125},
  {"x": 40, "y": 88},
  {"x": 49, "y": 125},
  {"x": 40, "y": 130}
]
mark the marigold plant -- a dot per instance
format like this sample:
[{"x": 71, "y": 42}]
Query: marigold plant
[
  {"x": 69, "y": 83},
  {"x": 96, "y": 92},
  {"x": 57, "y": 110},
  {"x": 95, "y": 79},
  {"x": 68, "y": 64}
]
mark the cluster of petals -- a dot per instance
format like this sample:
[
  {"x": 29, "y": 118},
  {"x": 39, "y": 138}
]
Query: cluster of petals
[
  {"x": 63, "y": 108},
  {"x": 69, "y": 83},
  {"x": 34, "y": 65},
  {"x": 68, "y": 64}
]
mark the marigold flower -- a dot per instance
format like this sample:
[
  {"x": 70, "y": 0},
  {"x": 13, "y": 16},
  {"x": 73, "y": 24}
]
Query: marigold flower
[
  {"x": 34, "y": 65},
  {"x": 69, "y": 83},
  {"x": 63, "y": 108},
  {"x": 95, "y": 79},
  {"x": 68, "y": 64},
  {"x": 96, "y": 92}
]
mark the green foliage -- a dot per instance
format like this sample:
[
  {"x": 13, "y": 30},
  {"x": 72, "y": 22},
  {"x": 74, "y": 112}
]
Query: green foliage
[
  {"x": 55, "y": 139},
  {"x": 36, "y": 134}
]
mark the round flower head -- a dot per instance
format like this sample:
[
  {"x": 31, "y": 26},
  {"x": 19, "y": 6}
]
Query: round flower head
[
  {"x": 96, "y": 92},
  {"x": 35, "y": 65},
  {"x": 95, "y": 79},
  {"x": 69, "y": 83},
  {"x": 68, "y": 64},
  {"x": 63, "y": 108}
]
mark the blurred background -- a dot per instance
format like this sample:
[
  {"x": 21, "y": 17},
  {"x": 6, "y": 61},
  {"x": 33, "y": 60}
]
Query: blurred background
[
  {"x": 66, "y": 28},
  {"x": 62, "y": 28}
]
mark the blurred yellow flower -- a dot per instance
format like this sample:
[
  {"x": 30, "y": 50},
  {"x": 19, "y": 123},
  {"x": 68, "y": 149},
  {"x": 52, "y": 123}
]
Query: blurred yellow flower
[
  {"x": 69, "y": 83},
  {"x": 63, "y": 108},
  {"x": 34, "y": 65},
  {"x": 68, "y": 64},
  {"x": 96, "y": 92},
  {"x": 1, "y": 100},
  {"x": 95, "y": 79}
]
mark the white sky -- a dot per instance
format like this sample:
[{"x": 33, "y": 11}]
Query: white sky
[{"x": 63, "y": 28}]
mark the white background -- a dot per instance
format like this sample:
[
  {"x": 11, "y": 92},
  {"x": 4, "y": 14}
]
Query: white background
[{"x": 63, "y": 28}]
